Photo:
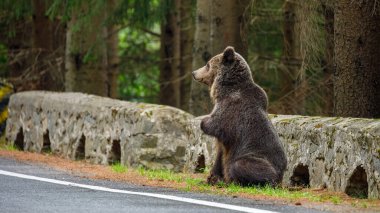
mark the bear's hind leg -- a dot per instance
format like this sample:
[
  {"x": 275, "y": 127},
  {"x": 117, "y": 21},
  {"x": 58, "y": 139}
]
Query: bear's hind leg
[
  {"x": 216, "y": 174},
  {"x": 252, "y": 171}
]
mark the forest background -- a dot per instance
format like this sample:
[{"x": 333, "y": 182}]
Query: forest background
[{"x": 312, "y": 57}]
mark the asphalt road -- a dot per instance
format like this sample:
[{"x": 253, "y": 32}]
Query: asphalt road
[{"x": 63, "y": 192}]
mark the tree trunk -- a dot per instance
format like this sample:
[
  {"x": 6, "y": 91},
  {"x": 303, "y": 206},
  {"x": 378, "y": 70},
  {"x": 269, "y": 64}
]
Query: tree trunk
[
  {"x": 328, "y": 94},
  {"x": 112, "y": 52},
  {"x": 228, "y": 26},
  {"x": 292, "y": 81},
  {"x": 187, "y": 39},
  {"x": 42, "y": 28},
  {"x": 113, "y": 60},
  {"x": 357, "y": 73},
  {"x": 44, "y": 61},
  {"x": 200, "y": 102},
  {"x": 170, "y": 58},
  {"x": 219, "y": 23},
  {"x": 86, "y": 56}
]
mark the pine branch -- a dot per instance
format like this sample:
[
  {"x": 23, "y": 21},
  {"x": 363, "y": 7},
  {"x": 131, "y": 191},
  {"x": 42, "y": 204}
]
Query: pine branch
[{"x": 150, "y": 32}]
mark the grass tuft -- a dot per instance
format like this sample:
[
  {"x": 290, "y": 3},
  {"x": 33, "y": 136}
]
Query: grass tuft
[
  {"x": 10, "y": 147},
  {"x": 160, "y": 175},
  {"x": 5, "y": 146},
  {"x": 199, "y": 184},
  {"x": 118, "y": 168}
]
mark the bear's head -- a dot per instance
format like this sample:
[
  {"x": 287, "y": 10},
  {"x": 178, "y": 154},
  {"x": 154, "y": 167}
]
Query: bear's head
[{"x": 224, "y": 70}]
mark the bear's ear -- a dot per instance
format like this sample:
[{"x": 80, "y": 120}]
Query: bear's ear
[{"x": 229, "y": 55}]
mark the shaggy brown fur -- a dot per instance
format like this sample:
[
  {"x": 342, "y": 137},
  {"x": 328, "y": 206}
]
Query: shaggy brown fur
[{"x": 249, "y": 149}]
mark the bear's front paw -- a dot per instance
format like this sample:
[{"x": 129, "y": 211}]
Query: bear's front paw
[{"x": 214, "y": 179}]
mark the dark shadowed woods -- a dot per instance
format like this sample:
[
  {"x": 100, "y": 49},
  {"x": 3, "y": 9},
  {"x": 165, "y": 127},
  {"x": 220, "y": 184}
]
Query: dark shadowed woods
[{"x": 314, "y": 57}]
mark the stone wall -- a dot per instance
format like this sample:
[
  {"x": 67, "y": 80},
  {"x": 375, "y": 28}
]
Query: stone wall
[
  {"x": 101, "y": 130},
  {"x": 341, "y": 154}
]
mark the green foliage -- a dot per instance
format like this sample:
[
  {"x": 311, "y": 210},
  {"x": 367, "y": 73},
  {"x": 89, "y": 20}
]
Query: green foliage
[
  {"x": 141, "y": 13},
  {"x": 266, "y": 49},
  {"x": 12, "y": 11},
  {"x": 83, "y": 10},
  {"x": 139, "y": 70},
  {"x": 266, "y": 44},
  {"x": 139, "y": 44},
  {"x": 3, "y": 61}
]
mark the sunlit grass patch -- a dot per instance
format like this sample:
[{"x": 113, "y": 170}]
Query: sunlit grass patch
[
  {"x": 10, "y": 148},
  {"x": 161, "y": 175},
  {"x": 269, "y": 191},
  {"x": 118, "y": 168},
  {"x": 200, "y": 185},
  {"x": 196, "y": 184},
  {"x": 5, "y": 146}
]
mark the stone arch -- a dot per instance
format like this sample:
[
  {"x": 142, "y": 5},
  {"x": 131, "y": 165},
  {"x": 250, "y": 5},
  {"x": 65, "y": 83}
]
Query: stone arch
[
  {"x": 80, "y": 150},
  {"x": 19, "y": 141},
  {"x": 46, "y": 146},
  {"x": 300, "y": 176},
  {"x": 201, "y": 164},
  {"x": 115, "y": 154},
  {"x": 357, "y": 184}
]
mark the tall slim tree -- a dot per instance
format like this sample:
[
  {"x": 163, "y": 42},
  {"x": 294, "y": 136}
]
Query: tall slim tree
[
  {"x": 187, "y": 40},
  {"x": 171, "y": 57},
  {"x": 200, "y": 102},
  {"x": 292, "y": 80},
  {"x": 47, "y": 45},
  {"x": 228, "y": 25},
  {"x": 176, "y": 54},
  {"x": 86, "y": 53},
  {"x": 328, "y": 69},
  {"x": 112, "y": 46},
  {"x": 42, "y": 28},
  {"x": 356, "y": 49},
  {"x": 219, "y": 23}
]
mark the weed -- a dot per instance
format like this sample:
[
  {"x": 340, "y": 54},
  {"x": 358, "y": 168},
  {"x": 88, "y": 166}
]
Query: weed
[
  {"x": 10, "y": 147},
  {"x": 335, "y": 200},
  {"x": 5, "y": 146},
  {"x": 118, "y": 168},
  {"x": 364, "y": 205},
  {"x": 161, "y": 175}
]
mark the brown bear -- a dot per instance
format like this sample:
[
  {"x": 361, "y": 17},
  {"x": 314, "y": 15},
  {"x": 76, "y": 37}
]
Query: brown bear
[{"x": 249, "y": 149}]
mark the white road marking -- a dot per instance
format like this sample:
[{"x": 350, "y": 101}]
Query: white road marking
[{"x": 167, "y": 197}]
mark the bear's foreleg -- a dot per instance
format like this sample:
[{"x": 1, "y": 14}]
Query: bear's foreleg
[
  {"x": 252, "y": 171},
  {"x": 210, "y": 126},
  {"x": 216, "y": 174}
]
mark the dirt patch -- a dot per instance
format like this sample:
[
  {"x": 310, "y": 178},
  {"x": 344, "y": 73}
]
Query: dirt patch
[{"x": 84, "y": 169}]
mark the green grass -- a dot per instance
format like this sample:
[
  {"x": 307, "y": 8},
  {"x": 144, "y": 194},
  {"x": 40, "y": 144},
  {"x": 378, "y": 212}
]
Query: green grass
[
  {"x": 9, "y": 147},
  {"x": 5, "y": 146},
  {"x": 270, "y": 191},
  {"x": 160, "y": 175},
  {"x": 198, "y": 184},
  {"x": 118, "y": 168}
]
